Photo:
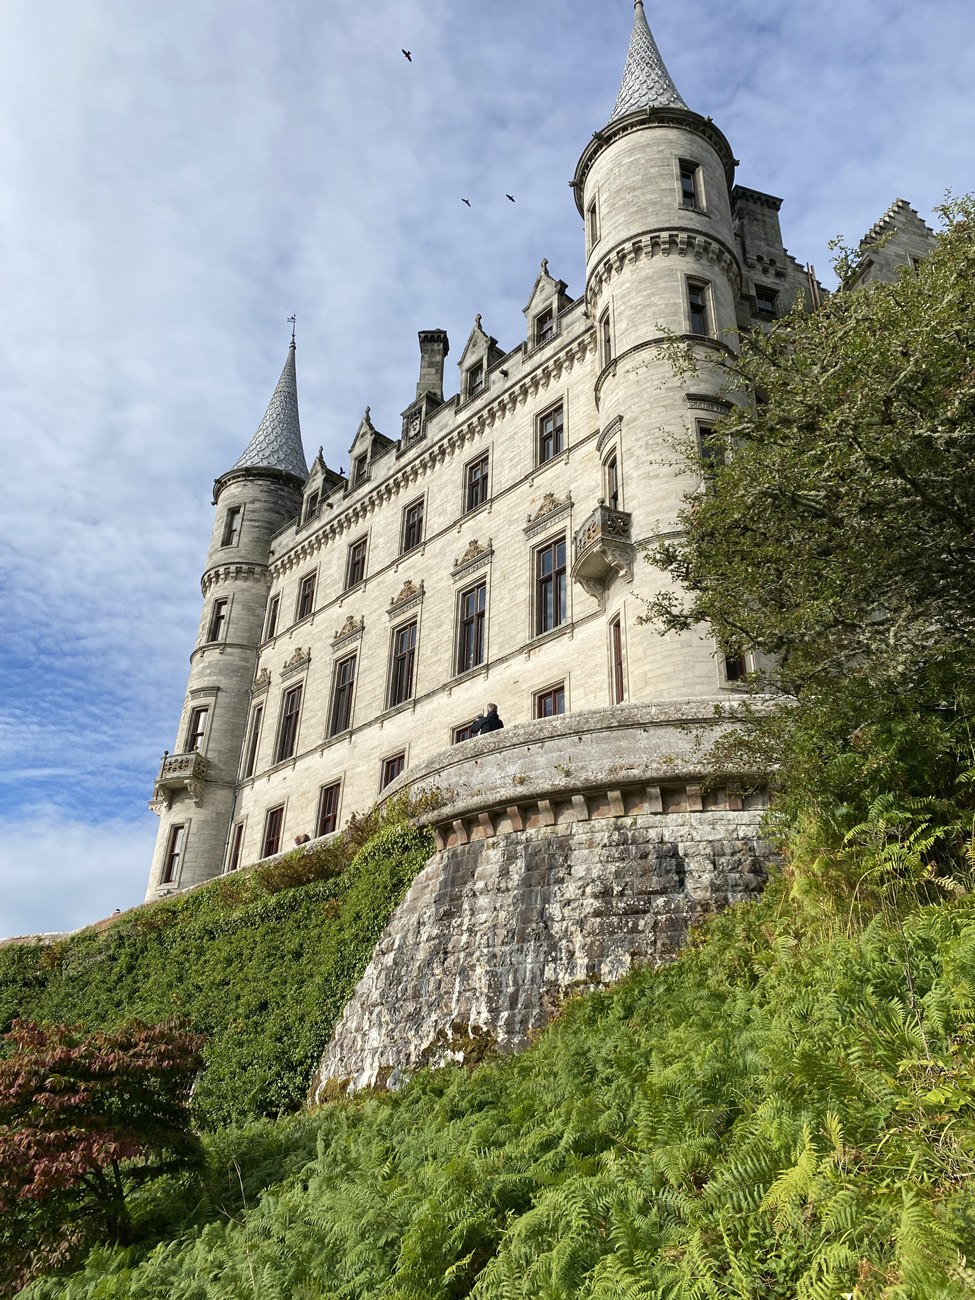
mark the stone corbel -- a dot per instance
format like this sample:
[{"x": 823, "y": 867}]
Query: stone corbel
[{"x": 195, "y": 790}]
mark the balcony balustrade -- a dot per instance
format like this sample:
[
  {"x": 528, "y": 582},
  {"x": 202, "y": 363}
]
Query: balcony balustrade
[
  {"x": 602, "y": 549},
  {"x": 179, "y": 772}
]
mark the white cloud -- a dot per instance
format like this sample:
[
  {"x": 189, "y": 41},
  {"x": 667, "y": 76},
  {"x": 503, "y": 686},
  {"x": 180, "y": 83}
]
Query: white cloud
[{"x": 180, "y": 178}]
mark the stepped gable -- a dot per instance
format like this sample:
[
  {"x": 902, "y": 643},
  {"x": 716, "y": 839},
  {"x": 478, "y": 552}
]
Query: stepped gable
[
  {"x": 899, "y": 214},
  {"x": 277, "y": 442},
  {"x": 646, "y": 81}
]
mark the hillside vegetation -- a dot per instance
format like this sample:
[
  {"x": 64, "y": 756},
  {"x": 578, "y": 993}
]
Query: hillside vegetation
[{"x": 789, "y": 1109}]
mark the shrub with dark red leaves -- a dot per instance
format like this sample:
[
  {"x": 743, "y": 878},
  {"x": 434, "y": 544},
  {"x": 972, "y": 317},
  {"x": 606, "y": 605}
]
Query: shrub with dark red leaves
[{"x": 84, "y": 1120}]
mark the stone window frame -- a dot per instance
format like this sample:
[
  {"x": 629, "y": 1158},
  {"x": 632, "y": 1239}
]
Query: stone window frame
[
  {"x": 612, "y": 457},
  {"x": 469, "y": 589},
  {"x": 475, "y": 379},
  {"x": 456, "y": 738},
  {"x": 420, "y": 501},
  {"x": 400, "y": 756},
  {"x": 279, "y": 735},
  {"x": 172, "y": 870},
  {"x": 745, "y": 664},
  {"x": 270, "y": 629},
  {"x": 323, "y": 790},
  {"x": 362, "y": 540},
  {"x": 605, "y": 336},
  {"x": 696, "y": 169},
  {"x": 618, "y": 662},
  {"x": 692, "y": 282},
  {"x": 414, "y": 622},
  {"x": 281, "y": 808},
  {"x": 205, "y": 707},
  {"x": 235, "y": 846},
  {"x": 227, "y": 603},
  {"x": 483, "y": 454},
  {"x": 252, "y": 740},
  {"x": 338, "y": 663},
  {"x": 703, "y": 430},
  {"x": 230, "y": 536},
  {"x": 592, "y": 222},
  {"x": 534, "y": 612},
  {"x": 773, "y": 296},
  {"x": 560, "y": 404},
  {"x": 310, "y": 574},
  {"x": 549, "y": 313},
  {"x": 538, "y": 695},
  {"x": 311, "y": 505},
  {"x": 359, "y": 471}
]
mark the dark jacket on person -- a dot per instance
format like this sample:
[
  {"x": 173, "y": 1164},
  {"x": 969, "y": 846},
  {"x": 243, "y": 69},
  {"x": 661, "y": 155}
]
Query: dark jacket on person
[{"x": 490, "y": 722}]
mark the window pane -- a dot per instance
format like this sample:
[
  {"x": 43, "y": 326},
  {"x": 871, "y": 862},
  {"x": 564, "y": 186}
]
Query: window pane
[
  {"x": 342, "y": 703},
  {"x": 392, "y": 767},
  {"x": 328, "y": 807},
  {"x": 218, "y": 621},
  {"x": 174, "y": 851},
  {"x": 272, "y": 618},
  {"x": 231, "y": 528},
  {"x": 289, "y": 724},
  {"x": 198, "y": 726},
  {"x": 235, "y": 846},
  {"x": 357, "y": 563},
  {"x": 272, "y": 832},
  {"x": 306, "y": 597}
]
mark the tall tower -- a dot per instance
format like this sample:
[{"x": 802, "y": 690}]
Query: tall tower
[
  {"x": 194, "y": 791},
  {"x": 654, "y": 189}
]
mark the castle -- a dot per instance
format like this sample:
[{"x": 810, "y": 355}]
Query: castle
[{"x": 353, "y": 627}]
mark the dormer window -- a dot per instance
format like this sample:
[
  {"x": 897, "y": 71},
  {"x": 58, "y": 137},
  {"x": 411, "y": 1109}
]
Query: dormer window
[
  {"x": 545, "y": 326},
  {"x": 313, "y": 505},
  {"x": 475, "y": 380},
  {"x": 359, "y": 469},
  {"x": 690, "y": 186}
]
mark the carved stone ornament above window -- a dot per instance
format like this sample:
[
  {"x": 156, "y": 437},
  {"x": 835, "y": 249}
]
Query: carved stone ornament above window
[
  {"x": 297, "y": 660},
  {"x": 474, "y": 549},
  {"x": 475, "y": 557},
  {"x": 409, "y": 590},
  {"x": 551, "y": 508},
  {"x": 351, "y": 628},
  {"x": 262, "y": 681}
]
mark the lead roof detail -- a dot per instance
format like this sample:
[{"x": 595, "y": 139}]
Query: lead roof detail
[
  {"x": 277, "y": 443},
  {"x": 646, "y": 81}
]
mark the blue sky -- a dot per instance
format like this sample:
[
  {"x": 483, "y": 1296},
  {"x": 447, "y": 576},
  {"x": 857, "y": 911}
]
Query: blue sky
[{"x": 180, "y": 178}]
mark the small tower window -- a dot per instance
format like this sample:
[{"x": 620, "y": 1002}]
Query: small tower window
[
  {"x": 288, "y": 739},
  {"x": 328, "y": 809},
  {"x": 475, "y": 380},
  {"x": 174, "y": 853},
  {"x": 392, "y": 767},
  {"x": 605, "y": 339},
  {"x": 273, "y": 826},
  {"x": 218, "y": 620},
  {"x": 613, "y": 482},
  {"x": 709, "y": 445},
  {"x": 306, "y": 597},
  {"x": 272, "y": 617},
  {"x": 477, "y": 483},
  {"x": 359, "y": 469},
  {"x": 231, "y": 526},
  {"x": 197, "y": 729},
  {"x": 545, "y": 326},
  {"x": 735, "y": 668},
  {"x": 593, "y": 224},
  {"x": 233, "y": 861},
  {"x": 342, "y": 698},
  {"x": 356, "y": 565},
  {"x": 765, "y": 302},
  {"x": 551, "y": 429},
  {"x": 697, "y": 307},
  {"x": 253, "y": 739},
  {"x": 412, "y": 526},
  {"x": 616, "y": 650},
  {"x": 690, "y": 186}
]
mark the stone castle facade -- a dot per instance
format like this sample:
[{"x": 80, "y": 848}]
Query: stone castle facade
[{"x": 353, "y": 627}]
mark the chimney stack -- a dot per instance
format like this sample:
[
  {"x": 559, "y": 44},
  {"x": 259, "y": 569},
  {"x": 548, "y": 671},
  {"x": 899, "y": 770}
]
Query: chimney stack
[{"x": 433, "y": 352}]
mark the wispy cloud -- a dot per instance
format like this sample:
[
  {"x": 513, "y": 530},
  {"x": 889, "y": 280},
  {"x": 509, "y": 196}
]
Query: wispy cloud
[{"x": 180, "y": 178}]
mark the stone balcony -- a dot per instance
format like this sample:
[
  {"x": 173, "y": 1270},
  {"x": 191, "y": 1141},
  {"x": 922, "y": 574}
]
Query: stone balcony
[
  {"x": 603, "y": 549},
  {"x": 179, "y": 772}
]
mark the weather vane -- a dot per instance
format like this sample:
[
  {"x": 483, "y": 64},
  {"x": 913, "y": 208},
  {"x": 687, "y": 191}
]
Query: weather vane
[{"x": 292, "y": 321}]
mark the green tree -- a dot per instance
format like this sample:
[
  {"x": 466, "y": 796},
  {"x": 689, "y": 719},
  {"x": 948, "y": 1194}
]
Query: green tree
[
  {"x": 835, "y": 540},
  {"x": 84, "y": 1120}
]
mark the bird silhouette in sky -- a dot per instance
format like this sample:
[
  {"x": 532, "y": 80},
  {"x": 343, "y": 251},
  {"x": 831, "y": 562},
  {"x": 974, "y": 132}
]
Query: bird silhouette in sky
[
  {"x": 510, "y": 198},
  {"x": 409, "y": 56},
  {"x": 467, "y": 201}
]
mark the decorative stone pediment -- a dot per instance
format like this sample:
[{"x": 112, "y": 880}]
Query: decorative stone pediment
[
  {"x": 475, "y": 557},
  {"x": 474, "y": 549},
  {"x": 410, "y": 595},
  {"x": 350, "y": 630},
  {"x": 262, "y": 681},
  {"x": 298, "y": 660},
  {"x": 547, "y": 293},
  {"x": 610, "y": 432},
  {"x": 550, "y": 503}
]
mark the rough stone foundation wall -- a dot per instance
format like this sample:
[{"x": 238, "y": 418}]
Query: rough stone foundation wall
[{"x": 496, "y": 932}]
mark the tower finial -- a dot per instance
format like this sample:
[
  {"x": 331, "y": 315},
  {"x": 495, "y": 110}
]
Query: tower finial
[
  {"x": 293, "y": 322},
  {"x": 646, "y": 81}
]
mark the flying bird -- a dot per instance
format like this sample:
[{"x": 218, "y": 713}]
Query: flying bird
[
  {"x": 509, "y": 198},
  {"x": 409, "y": 56},
  {"x": 467, "y": 201}
]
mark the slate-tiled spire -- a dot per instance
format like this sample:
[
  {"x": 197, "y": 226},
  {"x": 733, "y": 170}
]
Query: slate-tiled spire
[
  {"x": 646, "y": 81},
  {"x": 277, "y": 443}
]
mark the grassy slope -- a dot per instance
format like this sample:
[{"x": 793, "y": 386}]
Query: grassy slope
[{"x": 770, "y": 1116}]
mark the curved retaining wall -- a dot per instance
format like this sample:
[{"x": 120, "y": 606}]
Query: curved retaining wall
[{"x": 570, "y": 852}]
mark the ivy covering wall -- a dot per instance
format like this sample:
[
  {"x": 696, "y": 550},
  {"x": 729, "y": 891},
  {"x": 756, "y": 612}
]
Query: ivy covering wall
[{"x": 263, "y": 971}]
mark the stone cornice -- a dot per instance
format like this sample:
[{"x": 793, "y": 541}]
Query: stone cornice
[
  {"x": 431, "y": 457},
  {"x": 232, "y": 573},
  {"x": 666, "y": 242}
]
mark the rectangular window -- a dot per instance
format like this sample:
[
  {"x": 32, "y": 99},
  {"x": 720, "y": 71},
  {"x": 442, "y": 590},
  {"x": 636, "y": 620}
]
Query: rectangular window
[
  {"x": 236, "y": 842},
  {"x": 312, "y": 505},
  {"x": 697, "y": 307},
  {"x": 470, "y": 647},
  {"x": 392, "y": 768},
  {"x": 404, "y": 656},
  {"x": 272, "y": 617},
  {"x": 735, "y": 668},
  {"x": 613, "y": 482},
  {"x": 616, "y": 647},
  {"x": 412, "y": 525},
  {"x": 273, "y": 825},
  {"x": 306, "y": 597},
  {"x": 463, "y": 733},
  {"x": 197, "y": 729},
  {"x": 328, "y": 809},
  {"x": 355, "y": 569},
  {"x": 288, "y": 738},
  {"x": 231, "y": 527},
  {"x": 218, "y": 620},
  {"x": 550, "y": 434},
  {"x": 605, "y": 339},
  {"x": 174, "y": 851},
  {"x": 253, "y": 740},
  {"x": 550, "y": 703},
  {"x": 765, "y": 302},
  {"x": 593, "y": 224},
  {"x": 709, "y": 445},
  {"x": 689, "y": 189},
  {"x": 475, "y": 380},
  {"x": 545, "y": 326},
  {"x": 359, "y": 469},
  {"x": 550, "y": 604},
  {"x": 342, "y": 696},
  {"x": 477, "y": 483}
]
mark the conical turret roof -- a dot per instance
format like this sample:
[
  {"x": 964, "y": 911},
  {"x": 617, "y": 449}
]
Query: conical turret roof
[
  {"x": 646, "y": 81},
  {"x": 277, "y": 443}
]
